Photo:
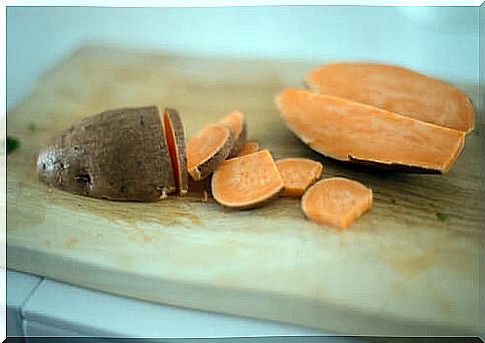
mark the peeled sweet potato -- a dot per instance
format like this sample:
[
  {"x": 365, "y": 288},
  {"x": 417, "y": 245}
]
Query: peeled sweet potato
[
  {"x": 396, "y": 89},
  {"x": 351, "y": 131},
  {"x": 118, "y": 155},
  {"x": 336, "y": 201}
]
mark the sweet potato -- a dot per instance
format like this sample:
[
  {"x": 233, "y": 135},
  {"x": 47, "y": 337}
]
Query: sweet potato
[
  {"x": 336, "y": 201},
  {"x": 207, "y": 149},
  {"x": 249, "y": 148},
  {"x": 350, "y": 131},
  {"x": 247, "y": 181},
  {"x": 236, "y": 123},
  {"x": 298, "y": 174},
  {"x": 119, "y": 155},
  {"x": 175, "y": 137},
  {"x": 396, "y": 89}
]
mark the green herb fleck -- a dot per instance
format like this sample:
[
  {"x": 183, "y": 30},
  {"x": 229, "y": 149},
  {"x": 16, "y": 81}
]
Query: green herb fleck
[
  {"x": 32, "y": 127},
  {"x": 441, "y": 216},
  {"x": 13, "y": 143}
]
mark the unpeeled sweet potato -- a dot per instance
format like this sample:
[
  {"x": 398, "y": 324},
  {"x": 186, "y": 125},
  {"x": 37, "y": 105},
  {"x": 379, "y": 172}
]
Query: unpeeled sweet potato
[{"x": 118, "y": 155}]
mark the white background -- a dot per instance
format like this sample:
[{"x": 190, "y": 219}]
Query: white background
[{"x": 442, "y": 41}]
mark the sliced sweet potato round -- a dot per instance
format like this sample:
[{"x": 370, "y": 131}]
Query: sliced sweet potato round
[
  {"x": 207, "y": 149},
  {"x": 336, "y": 201},
  {"x": 175, "y": 136},
  {"x": 249, "y": 148},
  {"x": 298, "y": 174},
  {"x": 247, "y": 181},
  {"x": 236, "y": 123}
]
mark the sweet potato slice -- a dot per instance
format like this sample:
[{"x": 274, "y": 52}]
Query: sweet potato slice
[
  {"x": 298, "y": 174},
  {"x": 247, "y": 181},
  {"x": 396, "y": 89},
  {"x": 249, "y": 148},
  {"x": 119, "y": 155},
  {"x": 175, "y": 136},
  {"x": 350, "y": 131},
  {"x": 336, "y": 201},
  {"x": 207, "y": 149},
  {"x": 236, "y": 123}
]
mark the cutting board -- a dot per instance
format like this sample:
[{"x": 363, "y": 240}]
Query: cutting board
[{"x": 398, "y": 270}]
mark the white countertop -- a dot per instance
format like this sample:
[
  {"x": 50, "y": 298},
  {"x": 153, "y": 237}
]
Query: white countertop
[{"x": 50, "y": 308}]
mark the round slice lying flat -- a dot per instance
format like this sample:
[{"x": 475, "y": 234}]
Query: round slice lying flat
[
  {"x": 336, "y": 201},
  {"x": 247, "y": 181}
]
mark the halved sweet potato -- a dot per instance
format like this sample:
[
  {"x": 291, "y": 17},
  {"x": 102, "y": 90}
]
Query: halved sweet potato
[
  {"x": 396, "y": 89},
  {"x": 350, "y": 131}
]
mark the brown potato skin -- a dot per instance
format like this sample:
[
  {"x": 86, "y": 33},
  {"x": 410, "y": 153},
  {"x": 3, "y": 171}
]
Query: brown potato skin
[{"x": 118, "y": 155}]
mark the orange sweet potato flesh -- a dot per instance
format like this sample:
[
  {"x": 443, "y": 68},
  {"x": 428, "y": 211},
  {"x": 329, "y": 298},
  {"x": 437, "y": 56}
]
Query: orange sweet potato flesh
[
  {"x": 249, "y": 148},
  {"x": 236, "y": 123},
  {"x": 298, "y": 174},
  {"x": 336, "y": 201},
  {"x": 207, "y": 149},
  {"x": 396, "y": 89},
  {"x": 247, "y": 181},
  {"x": 350, "y": 131},
  {"x": 175, "y": 137}
]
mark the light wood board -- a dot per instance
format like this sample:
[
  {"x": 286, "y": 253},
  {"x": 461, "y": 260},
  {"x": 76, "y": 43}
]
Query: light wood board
[{"x": 397, "y": 271}]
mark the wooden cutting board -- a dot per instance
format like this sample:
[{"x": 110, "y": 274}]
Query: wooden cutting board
[{"x": 399, "y": 270}]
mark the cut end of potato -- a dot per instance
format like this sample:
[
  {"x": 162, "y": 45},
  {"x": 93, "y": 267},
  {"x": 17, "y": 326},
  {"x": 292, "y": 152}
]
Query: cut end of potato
[
  {"x": 247, "y": 181},
  {"x": 336, "y": 201}
]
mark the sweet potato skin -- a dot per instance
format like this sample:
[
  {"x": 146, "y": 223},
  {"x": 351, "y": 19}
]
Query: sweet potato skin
[{"x": 117, "y": 155}]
